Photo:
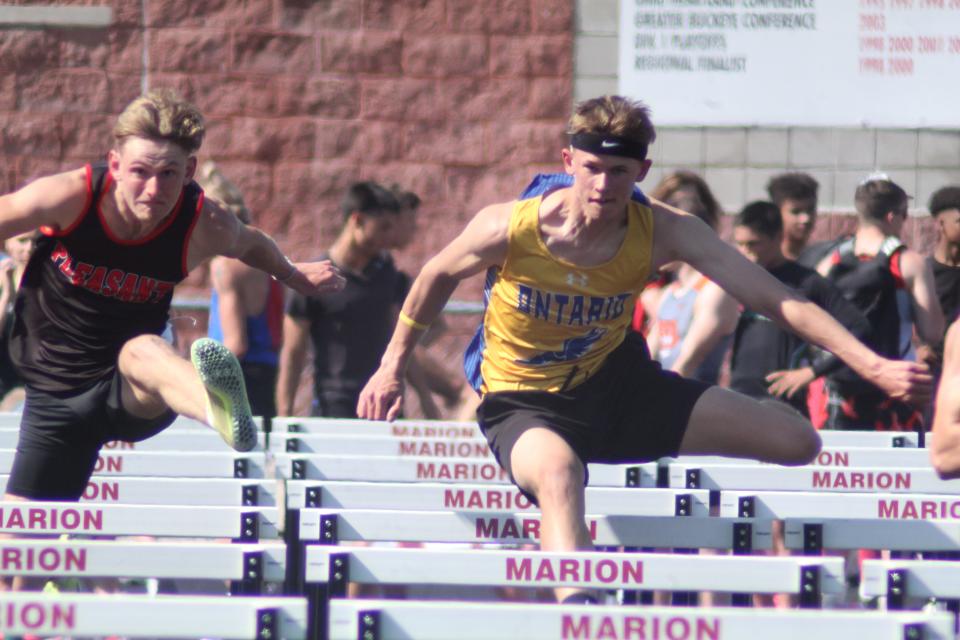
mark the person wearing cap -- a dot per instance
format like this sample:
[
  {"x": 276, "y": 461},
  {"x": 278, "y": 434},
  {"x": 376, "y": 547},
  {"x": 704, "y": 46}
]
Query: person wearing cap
[
  {"x": 893, "y": 287},
  {"x": 564, "y": 382}
]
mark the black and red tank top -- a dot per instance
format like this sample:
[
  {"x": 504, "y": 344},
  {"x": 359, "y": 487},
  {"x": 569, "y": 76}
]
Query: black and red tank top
[{"x": 86, "y": 292}]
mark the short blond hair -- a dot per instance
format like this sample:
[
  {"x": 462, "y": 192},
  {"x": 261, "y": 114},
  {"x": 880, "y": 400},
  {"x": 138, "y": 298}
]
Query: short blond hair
[
  {"x": 613, "y": 115},
  {"x": 161, "y": 115},
  {"x": 220, "y": 188}
]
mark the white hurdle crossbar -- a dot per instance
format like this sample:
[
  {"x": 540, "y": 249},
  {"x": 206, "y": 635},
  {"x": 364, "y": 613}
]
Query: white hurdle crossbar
[
  {"x": 395, "y": 620},
  {"x": 244, "y": 524},
  {"x": 248, "y": 566},
  {"x": 452, "y": 429},
  {"x": 462, "y": 498},
  {"x": 222, "y": 492},
  {"x": 809, "y": 478},
  {"x": 379, "y": 445},
  {"x": 815, "y": 534},
  {"x": 330, "y": 526},
  {"x": 806, "y": 504},
  {"x": 432, "y": 496},
  {"x": 400, "y": 428},
  {"x": 300, "y": 466},
  {"x": 177, "y": 440},
  {"x": 330, "y": 569},
  {"x": 137, "y": 616},
  {"x": 181, "y": 464},
  {"x": 897, "y": 582}
]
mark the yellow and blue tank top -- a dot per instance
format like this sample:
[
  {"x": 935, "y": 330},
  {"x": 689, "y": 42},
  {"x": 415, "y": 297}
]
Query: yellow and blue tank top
[{"x": 548, "y": 324}]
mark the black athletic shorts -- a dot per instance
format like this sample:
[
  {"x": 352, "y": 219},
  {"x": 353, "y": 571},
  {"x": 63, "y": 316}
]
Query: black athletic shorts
[
  {"x": 630, "y": 411},
  {"x": 61, "y": 436}
]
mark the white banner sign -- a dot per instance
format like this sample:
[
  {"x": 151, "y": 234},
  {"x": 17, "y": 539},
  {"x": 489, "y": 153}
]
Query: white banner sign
[{"x": 878, "y": 63}]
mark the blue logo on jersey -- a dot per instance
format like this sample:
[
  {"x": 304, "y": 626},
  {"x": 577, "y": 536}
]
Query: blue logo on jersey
[{"x": 573, "y": 348}]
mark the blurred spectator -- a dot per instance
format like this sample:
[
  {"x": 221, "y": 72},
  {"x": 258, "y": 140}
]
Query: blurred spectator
[
  {"x": 893, "y": 287},
  {"x": 246, "y": 305},
  {"x": 348, "y": 329},
  {"x": 795, "y": 194},
  {"x": 18, "y": 249},
  {"x": 694, "y": 317},
  {"x": 767, "y": 361},
  {"x": 945, "y": 261}
]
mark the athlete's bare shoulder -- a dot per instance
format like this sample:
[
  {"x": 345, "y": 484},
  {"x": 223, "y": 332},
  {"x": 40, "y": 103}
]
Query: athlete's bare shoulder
[
  {"x": 675, "y": 233},
  {"x": 491, "y": 224},
  {"x": 216, "y": 233}
]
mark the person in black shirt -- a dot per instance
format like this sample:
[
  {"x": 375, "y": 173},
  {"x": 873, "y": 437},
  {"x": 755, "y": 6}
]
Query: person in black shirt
[
  {"x": 768, "y": 361},
  {"x": 95, "y": 298},
  {"x": 348, "y": 329},
  {"x": 894, "y": 288},
  {"x": 945, "y": 261}
]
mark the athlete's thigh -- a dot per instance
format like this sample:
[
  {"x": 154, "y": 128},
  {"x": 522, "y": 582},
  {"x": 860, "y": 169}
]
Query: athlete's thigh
[
  {"x": 540, "y": 452},
  {"x": 727, "y": 423}
]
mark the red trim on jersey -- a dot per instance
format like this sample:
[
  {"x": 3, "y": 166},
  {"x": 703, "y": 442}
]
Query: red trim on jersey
[
  {"x": 896, "y": 269},
  {"x": 189, "y": 233},
  {"x": 53, "y": 231},
  {"x": 153, "y": 234}
]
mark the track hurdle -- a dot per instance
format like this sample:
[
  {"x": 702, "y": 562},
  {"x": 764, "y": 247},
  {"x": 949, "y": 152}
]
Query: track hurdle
[
  {"x": 178, "y": 440},
  {"x": 469, "y": 429},
  {"x": 300, "y": 466},
  {"x": 222, "y": 492},
  {"x": 249, "y": 567},
  {"x": 898, "y": 582},
  {"x": 172, "y": 617},
  {"x": 208, "y": 464},
  {"x": 463, "y": 498},
  {"x": 330, "y": 526},
  {"x": 799, "y": 504},
  {"x": 379, "y": 445},
  {"x": 809, "y": 478},
  {"x": 831, "y": 457},
  {"x": 244, "y": 524},
  {"x": 393, "y": 620},
  {"x": 812, "y": 535},
  {"x": 329, "y": 569},
  {"x": 398, "y": 428},
  {"x": 432, "y": 496}
]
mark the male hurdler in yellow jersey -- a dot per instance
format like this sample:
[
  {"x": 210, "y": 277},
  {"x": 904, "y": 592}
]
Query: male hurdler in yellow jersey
[
  {"x": 550, "y": 324},
  {"x": 564, "y": 383}
]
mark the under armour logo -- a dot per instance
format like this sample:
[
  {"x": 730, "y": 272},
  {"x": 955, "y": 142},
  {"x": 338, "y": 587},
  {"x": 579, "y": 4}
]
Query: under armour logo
[{"x": 577, "y": 279}]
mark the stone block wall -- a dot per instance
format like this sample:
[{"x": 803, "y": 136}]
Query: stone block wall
[{"x": 460, "y": 101}]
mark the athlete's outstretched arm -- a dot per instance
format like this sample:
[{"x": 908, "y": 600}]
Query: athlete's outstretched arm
[
  {"x": 684, "y": 237},
  {"x": 927, "y": 314},
  {"x": 945, "y": 450},
  {"x": 220, "y": 233},
  {"x": 53, "y": 201},
  {"x": 482, "y": 244}
]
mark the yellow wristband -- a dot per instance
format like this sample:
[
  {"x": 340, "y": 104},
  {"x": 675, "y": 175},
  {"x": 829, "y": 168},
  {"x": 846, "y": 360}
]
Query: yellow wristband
[{"x": 413, "y": 324}]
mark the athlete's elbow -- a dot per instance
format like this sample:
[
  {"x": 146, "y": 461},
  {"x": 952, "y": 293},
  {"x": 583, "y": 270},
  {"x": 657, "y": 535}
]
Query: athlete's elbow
[{"x": 946, "y": 466}]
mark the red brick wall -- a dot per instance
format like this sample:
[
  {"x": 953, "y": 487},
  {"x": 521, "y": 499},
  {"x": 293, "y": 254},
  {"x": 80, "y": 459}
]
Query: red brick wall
[{"x": 458, "y": 100}]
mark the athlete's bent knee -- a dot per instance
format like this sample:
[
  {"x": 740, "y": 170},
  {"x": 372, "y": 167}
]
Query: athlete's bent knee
[
  {"x": 142, "y": 348},
  {"x": 557, "y": 479},
  {"x": 804, "y": 446}
]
